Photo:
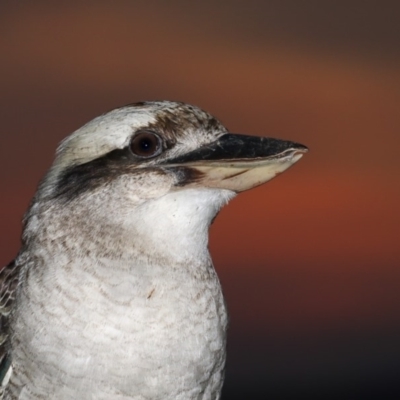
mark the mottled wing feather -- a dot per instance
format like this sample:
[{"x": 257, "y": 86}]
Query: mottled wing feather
[{"x": 9, "y": 276}]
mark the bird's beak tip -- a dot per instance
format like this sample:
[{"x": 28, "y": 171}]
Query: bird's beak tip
[{"x": 299, "y": 153}]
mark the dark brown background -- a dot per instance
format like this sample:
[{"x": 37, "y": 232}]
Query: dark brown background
[{"x": 310, "y": 261}]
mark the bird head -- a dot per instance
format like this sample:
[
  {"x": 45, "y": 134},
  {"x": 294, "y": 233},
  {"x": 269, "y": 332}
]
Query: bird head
[{"x": 166, "y": 139}]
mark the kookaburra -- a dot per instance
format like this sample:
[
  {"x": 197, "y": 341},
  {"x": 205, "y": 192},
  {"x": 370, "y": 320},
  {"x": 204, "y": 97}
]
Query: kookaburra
[{"x": 113, "y": 295}]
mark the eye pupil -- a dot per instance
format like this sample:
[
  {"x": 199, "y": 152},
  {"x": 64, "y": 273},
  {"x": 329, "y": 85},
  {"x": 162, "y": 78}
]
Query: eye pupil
[{"x": 145, "y": 144}]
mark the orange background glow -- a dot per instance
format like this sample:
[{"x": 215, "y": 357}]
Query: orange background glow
[{"x": 310, "y": 262}]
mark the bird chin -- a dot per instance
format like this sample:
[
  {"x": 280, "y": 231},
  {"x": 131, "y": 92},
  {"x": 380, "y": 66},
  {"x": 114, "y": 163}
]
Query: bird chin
[{"x": 241, "y": 175}]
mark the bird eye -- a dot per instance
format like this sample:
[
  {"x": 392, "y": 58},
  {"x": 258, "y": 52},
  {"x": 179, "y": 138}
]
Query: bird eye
[{"x": 145, "y": 144}]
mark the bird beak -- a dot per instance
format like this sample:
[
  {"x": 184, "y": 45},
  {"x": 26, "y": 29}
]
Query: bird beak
[{"x": 236, "y": 162}]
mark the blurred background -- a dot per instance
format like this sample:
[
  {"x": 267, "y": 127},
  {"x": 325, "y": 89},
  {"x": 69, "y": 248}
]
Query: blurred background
[{"x": 310, "y": 262}]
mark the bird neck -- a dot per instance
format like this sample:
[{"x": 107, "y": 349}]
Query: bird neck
[{"x": 170, "y": 229}]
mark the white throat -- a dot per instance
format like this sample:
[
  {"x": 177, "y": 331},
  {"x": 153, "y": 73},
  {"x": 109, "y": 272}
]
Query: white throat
[{"x": 176, "y": 224}]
